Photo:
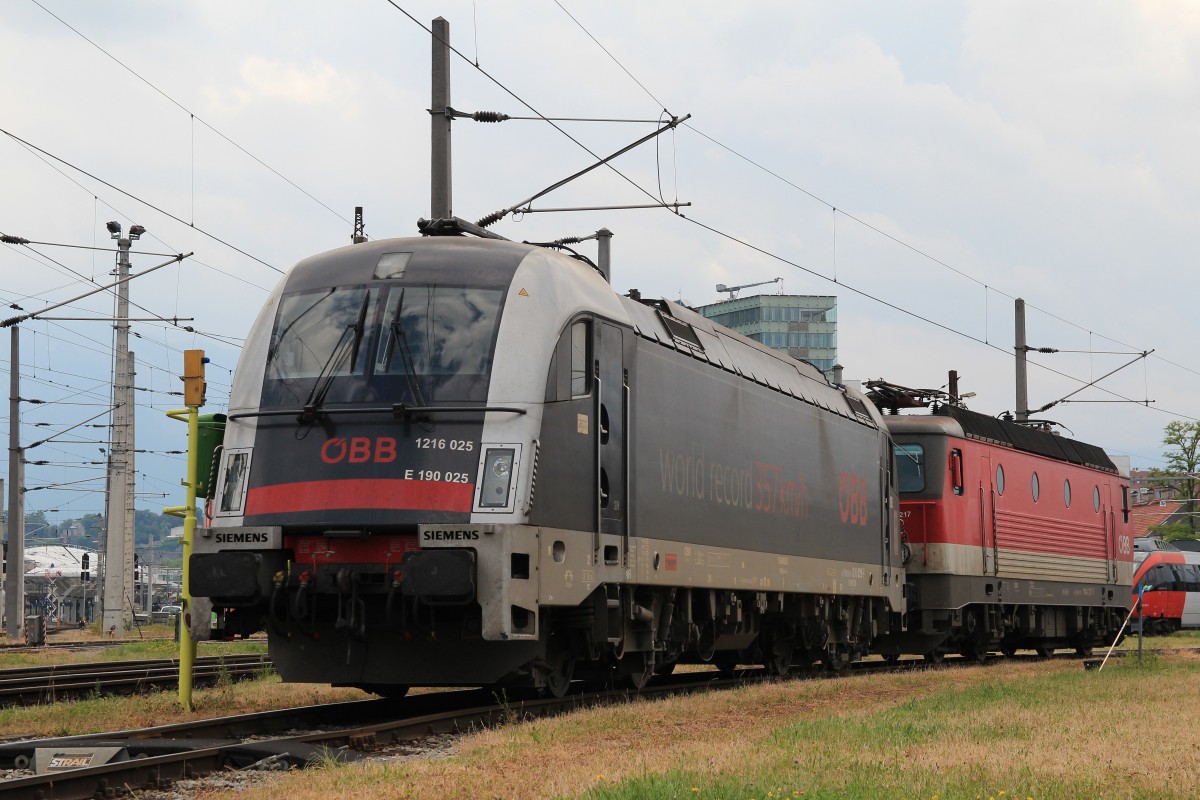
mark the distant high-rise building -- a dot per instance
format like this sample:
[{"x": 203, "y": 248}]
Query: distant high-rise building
[{"x": 803, "y": 326}]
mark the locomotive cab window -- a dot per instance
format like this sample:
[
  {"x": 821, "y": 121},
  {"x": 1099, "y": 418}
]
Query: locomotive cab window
[
  {"x": 910, "y": 467},
  {"x": 407, "y": 343},
  {"x": 319, "y": 333},
  {"x": 581, "y": 373}
]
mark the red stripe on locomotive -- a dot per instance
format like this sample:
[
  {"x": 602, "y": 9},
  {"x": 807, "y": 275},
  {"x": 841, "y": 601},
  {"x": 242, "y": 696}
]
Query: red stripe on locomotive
[{"x": 386, "y": 494}]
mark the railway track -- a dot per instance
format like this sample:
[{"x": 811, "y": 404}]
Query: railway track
[
  {"x": 89, "y": 644},
  {"x": 155, "y": 757},
  {"x": 345, "y": 732},
  {"x": 32, "y": 685}
]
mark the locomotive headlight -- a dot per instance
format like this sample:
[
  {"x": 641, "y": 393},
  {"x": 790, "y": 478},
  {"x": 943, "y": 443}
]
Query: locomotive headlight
[
  {"x": 497, "y": 477},
  {"x": 502, "y": 464}
]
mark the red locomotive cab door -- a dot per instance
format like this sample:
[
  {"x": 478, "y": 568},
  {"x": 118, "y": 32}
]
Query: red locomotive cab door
[
  {"x": 987, "y": 515},
  {"x": 1111, "y": 542}
]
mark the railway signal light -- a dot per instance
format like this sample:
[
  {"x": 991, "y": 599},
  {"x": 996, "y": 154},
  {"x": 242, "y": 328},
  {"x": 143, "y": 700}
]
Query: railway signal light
[
  {"x": 193, "y": 377},
  {"x": 85, "y": 565}
]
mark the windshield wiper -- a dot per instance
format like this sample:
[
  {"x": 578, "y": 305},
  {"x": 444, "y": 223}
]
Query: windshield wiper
[
  {"x": 406, "y": 361},
  {"x": 312, "y": 406}
]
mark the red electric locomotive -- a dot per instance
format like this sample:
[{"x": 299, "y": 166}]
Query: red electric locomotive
[
  {"x": 1016, "y": 538},
  {"x": 1169, "y": 581}
]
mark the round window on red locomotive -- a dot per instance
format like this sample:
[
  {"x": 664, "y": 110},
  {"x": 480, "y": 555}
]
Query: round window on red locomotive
[
  {"x": 1067, "y": 493},
  {"x": 999, "y": 479},
  {"x": 1035, "y": 487},
  {"x": 1096, "y": 497}
]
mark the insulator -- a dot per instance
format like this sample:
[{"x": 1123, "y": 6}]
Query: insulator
[
  {"x": 489, "y": 116},
  {"x": 18, "y": 240},
  {"x": 492, "y": 218}
]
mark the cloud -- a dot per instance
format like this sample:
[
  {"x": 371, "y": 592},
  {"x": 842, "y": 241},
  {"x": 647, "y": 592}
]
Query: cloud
[{"x": 305, "y": 84}]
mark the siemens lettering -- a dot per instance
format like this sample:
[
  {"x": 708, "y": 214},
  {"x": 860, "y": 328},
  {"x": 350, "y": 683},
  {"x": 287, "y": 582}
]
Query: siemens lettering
[
  {"x": 449, "y": 535},
  {"x": 243, "y": 537}
]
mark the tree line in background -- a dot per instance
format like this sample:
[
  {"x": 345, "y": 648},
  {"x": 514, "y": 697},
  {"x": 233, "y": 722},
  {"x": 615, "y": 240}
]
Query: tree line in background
[
  {"x": 149, "y": 530},
  {"x": 1183, "y": 461}
]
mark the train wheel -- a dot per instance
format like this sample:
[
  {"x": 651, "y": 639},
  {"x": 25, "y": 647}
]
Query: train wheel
[
  {"x": 935, "y": 657},
  {"x": 1008, "y": 650},
  {"x": 1044, "y": 651},
  {"x": 779, "y": 657},
  {"x": 726, "y": 662},
  {"x": 975, "y": 651},
  {"x": 640, "y": 668},
  {"x": 891, "y": 658},
  {"x": 665, "y": 669},
  {"x": 1084, "y": 652},
  {"x": 560, "y": 671},
  {"x": 837, "y": 659}
]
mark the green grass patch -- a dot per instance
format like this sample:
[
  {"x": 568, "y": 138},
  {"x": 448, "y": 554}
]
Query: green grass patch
[{"x": 1031, "y": 736}]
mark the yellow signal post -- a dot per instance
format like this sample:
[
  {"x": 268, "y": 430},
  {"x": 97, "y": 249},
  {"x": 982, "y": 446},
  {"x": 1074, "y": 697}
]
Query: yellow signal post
[{"x": 193, "y": 396}]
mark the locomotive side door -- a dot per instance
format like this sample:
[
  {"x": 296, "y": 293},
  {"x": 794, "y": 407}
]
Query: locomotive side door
[
  {"x": 888, "y": 510},
  {"x": 987, "y": 515},
  {"x": 1109, "y": 517},
  {"x": 612, "y": 431}
]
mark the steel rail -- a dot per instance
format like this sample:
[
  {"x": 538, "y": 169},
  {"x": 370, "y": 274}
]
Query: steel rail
[{"x": 31, "y": 685}]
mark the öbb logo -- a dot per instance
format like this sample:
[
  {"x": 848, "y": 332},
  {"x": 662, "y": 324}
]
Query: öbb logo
[
  {"x": 359, "y": 450},
  {"x": 852, "y": 498}
]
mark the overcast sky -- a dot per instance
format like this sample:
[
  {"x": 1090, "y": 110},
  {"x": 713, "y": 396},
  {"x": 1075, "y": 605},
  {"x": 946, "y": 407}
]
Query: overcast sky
[{"x": 974, "y": 152}]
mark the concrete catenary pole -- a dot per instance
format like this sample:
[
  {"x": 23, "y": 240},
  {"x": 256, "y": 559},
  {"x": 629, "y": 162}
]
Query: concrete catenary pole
[
  {"x": 118, "y": 564},
  {"x": 14, "y": 598},
  {"x": 441, "y": 201},
  {"x": 1022, "y": 362},
  {"x": 129, "y": 573}
]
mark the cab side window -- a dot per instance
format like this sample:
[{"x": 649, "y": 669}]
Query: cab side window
[
  {"x": 571, "y": 370},
  {"x": 581, "y": 372}
]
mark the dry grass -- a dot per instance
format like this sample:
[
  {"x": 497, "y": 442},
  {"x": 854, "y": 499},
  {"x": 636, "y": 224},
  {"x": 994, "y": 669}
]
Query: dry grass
[
  {"x": 162, "y": 708},
  {"x": 1010, "y": 729},
  {"x": 1007, "y": 730}
]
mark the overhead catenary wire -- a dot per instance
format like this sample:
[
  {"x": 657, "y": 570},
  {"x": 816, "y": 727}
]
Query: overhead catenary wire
[
  {"x": 519, "y": 99},
  {"x": 146, "y": 203},
  {"x": 836, "y": 210},
  {"x": 874, "y": 228},
  {"x": 194, "y": 118},
  {"x": 96, "y": 200}
]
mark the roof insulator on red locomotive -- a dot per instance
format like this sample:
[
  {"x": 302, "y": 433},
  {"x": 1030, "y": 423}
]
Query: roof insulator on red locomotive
[{"x": 490, "y": 116}]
